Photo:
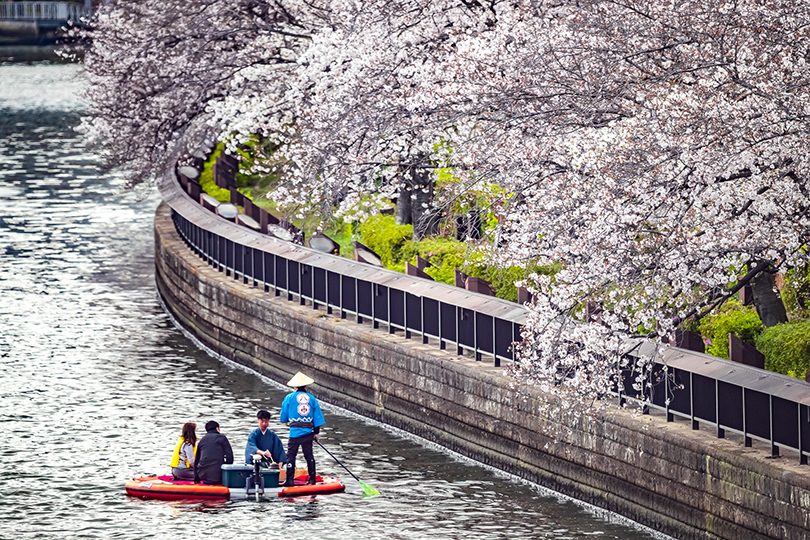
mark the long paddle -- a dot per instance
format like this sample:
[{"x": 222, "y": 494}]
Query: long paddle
[{"x": 368, "y": 491}]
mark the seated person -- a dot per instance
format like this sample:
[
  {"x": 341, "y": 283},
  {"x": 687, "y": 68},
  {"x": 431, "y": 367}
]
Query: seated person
[
  {"x": 183, "y": 458},
  {"x": 264, "y": 442},
  {"x": 212, "y": 451}
]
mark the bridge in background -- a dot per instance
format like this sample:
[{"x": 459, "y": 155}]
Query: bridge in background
[{"x": 39, "y": 22}]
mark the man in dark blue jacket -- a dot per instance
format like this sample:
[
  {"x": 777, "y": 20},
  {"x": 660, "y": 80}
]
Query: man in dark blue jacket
[
  {"x": 212, "y": 451},
  {"x": 264, "y": 442}
]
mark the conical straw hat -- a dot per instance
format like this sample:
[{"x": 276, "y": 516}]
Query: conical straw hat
[{"x": 300, "y": 380}]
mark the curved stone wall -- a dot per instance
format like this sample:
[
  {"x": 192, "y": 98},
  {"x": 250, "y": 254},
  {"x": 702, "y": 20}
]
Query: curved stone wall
[{"x": 661, "y": 474}]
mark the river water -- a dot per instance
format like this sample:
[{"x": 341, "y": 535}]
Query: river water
[{"x": 96, "y": 381}]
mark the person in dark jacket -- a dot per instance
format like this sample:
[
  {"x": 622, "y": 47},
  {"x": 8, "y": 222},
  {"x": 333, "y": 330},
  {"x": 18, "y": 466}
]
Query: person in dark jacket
[{"x": 212, "y": 451}]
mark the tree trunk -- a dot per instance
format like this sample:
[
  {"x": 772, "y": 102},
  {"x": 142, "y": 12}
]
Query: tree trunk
[
  {"x": 403, "y": 212},
  {"x": 424, "y": 216},
  {"x": 767, "y": 301}
]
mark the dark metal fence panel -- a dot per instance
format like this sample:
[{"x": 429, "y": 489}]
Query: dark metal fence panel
[
  {"x": 466, "y": 328},
  {"x": 729, "y": 406},
  {"x": 270, "y": 269},
  {"x": 380, "y": 303},
  {"x": 238, "y": 261},
  {"x": 333, "y": 288},
  {"x": 430, "y": 317},
  {"x": 396, "y": 301},
  {"x": 348, "y": 294},
  {"x": 660, "y": 388},
  {"x": 804, "y": 429},
  {"x": 293, "y": 277},
  {"x": 228, "y": 254},
  {"x": 704, "y": 401},
  {"x": 503, "y": 338},
  {"x": 785, "y": 423},
  {"x": 757, "y": 414},
  {"x": 680, "y": 399},
  {"x": 258, "y": 265},
  {"x": 306, "y": 281},
  {"x": 365, "y": 300},
  {"x": 319, "y": 279},
  {"x": 484, "y": 333},
  {"x": 280, "y": 275},
  {"x": 249, "y": 254},
  {"x": 413, "y": 312},
  {"x": 448, "y": 325}
]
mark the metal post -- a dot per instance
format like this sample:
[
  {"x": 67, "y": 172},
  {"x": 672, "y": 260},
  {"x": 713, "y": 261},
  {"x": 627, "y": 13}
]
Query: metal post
[
  {"x": 774, "y": 447},
  {"x": 326, "y": 287},
  {"x": 301, "y": 299},
  {"x": 312, "y": 279},
  {"x": 495, "y": 359},
  {"x": 244, "y": 265},
  {"x": 340, "y": 296},
  {"x": 264, "y": 273},
  {"x": 695, "y": 423},
  {"x": 405, "y": 314},
  {"x": 390, "y": 326},
  {"x": 721, "y": 433},
  {"x": 475, "y": 337},
  {"x": 422, "y": 314},
  {"x": 459, "y": 313},
  {"x": 358, "y": 319},
  {"x": 287, "y": 270},
  {"x": 442, "y": 344},
  {"x": 802, "y": 456},
  {"x": 746, "y": 439},
  {"x": 375, "y": 290},
  {"x": 670, "y": 417}
]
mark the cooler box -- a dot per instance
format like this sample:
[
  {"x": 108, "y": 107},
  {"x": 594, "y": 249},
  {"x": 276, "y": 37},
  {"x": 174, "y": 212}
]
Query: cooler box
[{"x": 235, "y": 474}]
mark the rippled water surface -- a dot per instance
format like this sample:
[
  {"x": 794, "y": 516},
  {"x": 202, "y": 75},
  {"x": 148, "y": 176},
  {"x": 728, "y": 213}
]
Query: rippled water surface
[{"x": 96, "y": 382}]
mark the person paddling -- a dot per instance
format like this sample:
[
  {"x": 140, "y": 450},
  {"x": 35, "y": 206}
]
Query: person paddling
[{"x": 303, "y": 412}]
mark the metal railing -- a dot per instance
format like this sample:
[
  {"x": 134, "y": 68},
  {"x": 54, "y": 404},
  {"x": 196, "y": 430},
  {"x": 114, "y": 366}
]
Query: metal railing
[
  {"x": 42, "y": 11},
  {"x": 758, "y": 404},
  {"x": 366, "y": 293}
]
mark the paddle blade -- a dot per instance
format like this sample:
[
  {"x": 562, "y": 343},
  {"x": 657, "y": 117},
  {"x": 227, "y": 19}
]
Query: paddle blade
[{"x": 368, "y": 491}]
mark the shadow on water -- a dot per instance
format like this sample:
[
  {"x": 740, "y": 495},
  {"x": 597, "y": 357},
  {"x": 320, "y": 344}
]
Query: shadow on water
[
  {"x": 97, "y": 382},
  {"x": 10, "y": 54}
]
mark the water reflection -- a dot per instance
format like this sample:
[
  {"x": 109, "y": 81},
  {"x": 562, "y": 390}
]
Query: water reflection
[{"x": 97, "y": 382}]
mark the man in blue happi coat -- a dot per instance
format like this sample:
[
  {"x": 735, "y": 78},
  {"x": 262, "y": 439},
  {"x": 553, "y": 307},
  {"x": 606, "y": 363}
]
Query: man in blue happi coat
[
  {"x": 264, "y": 442},
  {"x": 303, "y": 412}
]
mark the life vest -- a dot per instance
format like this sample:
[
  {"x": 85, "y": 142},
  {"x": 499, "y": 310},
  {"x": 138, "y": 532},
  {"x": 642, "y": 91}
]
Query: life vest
[{"x": 176, "y": 455}]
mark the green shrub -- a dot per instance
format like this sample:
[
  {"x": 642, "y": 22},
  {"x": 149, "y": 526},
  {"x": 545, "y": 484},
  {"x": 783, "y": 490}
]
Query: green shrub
[
  {"x": 444, "y": 254},
  {"x": 207, "y": 177},
  {"x": 786, "y": 348},
  {"x": 796, "y": 292},
  {"x": 733, "y": 318},
  {"x": 382, "y": 235}
]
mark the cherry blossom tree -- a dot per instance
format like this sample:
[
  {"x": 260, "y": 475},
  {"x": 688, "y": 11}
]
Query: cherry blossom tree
[
  {"x": 160, "y": 71},
  {"x": 656, "y": 151}
]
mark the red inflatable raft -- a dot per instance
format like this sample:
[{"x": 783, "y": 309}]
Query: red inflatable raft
[{"x": 167, "y": 489}]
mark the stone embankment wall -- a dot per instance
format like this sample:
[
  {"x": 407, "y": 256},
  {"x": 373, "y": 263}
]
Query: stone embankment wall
[{"x": 678, "y": 481}]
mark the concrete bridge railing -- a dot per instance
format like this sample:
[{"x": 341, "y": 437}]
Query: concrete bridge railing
[{"x": 43, "y": 11}]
